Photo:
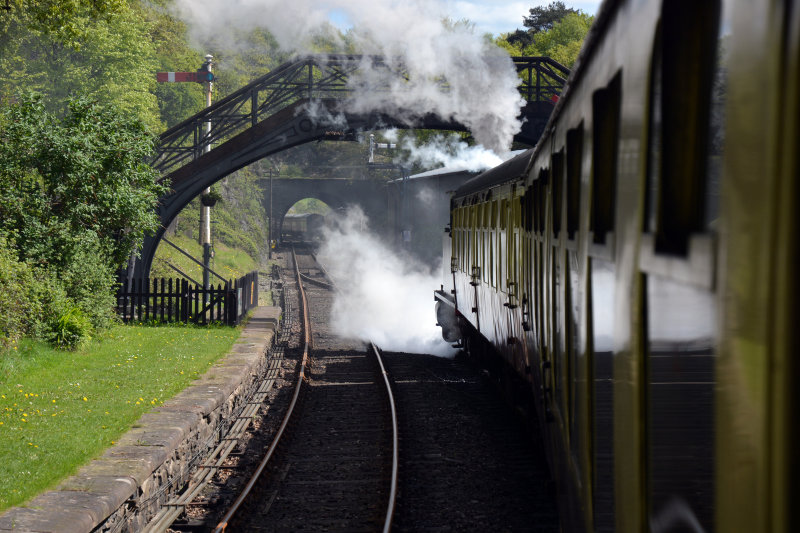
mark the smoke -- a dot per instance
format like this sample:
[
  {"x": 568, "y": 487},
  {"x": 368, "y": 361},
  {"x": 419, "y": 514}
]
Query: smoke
[
  {"x": 414, "y": 38},
  {"x": 449, "y": 151},
  {"x": 381, "y": 297}
]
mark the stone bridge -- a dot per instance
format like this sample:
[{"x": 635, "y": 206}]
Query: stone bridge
[{"x": 369, "y": 194}]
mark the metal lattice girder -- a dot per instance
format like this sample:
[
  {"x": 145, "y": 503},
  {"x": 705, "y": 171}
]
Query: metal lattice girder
[{"x": 313, "y": 78}]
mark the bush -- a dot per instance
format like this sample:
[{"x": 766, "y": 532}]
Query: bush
[
  {"x": 35, "y": 302},
  {"x": 72, "y": 329},
  {"x": 20, "y": 302},
  {"x": 89, "y": 281}
]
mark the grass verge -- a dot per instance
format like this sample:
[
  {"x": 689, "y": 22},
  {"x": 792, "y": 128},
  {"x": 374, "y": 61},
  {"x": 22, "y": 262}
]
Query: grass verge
[
  {"x": 229, "y": 263},
  {"x": 60, "y": 409}
]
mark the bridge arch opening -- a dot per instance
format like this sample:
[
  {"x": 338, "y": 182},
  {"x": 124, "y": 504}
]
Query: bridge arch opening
[{"x": 304, "y": 220}]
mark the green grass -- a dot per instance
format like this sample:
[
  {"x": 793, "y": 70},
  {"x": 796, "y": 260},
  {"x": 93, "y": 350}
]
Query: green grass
[
  {"x": 60, "y": 409},
  {"x": 230, "y": 263}
]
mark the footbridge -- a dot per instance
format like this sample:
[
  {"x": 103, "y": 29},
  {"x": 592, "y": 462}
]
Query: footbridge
[{"x": 301, "y": 101}]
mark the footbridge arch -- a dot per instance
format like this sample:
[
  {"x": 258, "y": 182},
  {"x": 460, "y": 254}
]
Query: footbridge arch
[{"x": 299, "y": 102}]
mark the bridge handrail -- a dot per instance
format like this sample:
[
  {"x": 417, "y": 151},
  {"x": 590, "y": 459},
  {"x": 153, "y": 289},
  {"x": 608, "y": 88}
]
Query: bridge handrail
[{"x": 310, "y": 77}]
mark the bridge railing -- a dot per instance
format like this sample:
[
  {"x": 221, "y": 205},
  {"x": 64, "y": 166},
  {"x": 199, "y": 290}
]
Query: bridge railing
[{"x": 310, "y": 78}]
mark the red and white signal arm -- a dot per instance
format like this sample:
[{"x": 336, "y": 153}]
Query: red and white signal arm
[{"x": 200, "y": 76}]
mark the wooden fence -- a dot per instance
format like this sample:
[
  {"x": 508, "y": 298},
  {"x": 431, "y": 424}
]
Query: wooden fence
[{"x": 177, "y": 300}]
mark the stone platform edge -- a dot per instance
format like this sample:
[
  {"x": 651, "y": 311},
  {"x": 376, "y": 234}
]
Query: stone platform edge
[{"x": 125, "y": 487}]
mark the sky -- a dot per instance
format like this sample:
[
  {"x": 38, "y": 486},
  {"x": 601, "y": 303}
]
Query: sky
[{"x": 490, "y": 16}]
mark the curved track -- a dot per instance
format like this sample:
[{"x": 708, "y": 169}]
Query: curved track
[{"x": 334, "y": 471}]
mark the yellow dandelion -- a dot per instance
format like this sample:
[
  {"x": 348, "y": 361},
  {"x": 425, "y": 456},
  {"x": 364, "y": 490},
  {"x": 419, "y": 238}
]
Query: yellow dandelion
[{"x": 84, "y": 399}]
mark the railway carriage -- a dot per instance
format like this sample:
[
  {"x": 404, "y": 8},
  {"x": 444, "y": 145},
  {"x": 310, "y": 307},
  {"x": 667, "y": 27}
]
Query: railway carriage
[
  {"x": 305, "y": 227},
  {"x": 634, "y": 271}
]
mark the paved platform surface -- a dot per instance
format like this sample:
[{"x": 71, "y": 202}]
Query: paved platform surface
[{"x": 123, "y": 472}]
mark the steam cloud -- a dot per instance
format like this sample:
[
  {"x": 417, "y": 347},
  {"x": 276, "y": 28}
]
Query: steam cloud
[
  {"x": 380, "y": 297},
  {"x": 449, "y": 151},
  {"x": 412, "y": 37}
]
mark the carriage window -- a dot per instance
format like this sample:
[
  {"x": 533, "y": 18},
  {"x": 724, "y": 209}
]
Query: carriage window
[
  {"x": 541, "y": 186},
  {"x": 526, "y": 210},
  {"x": 574, "y": 167},
  {"x": 557, "y": 160},
  {"x": 605, "y": 138},
  {"x": 680, "y": 119}
]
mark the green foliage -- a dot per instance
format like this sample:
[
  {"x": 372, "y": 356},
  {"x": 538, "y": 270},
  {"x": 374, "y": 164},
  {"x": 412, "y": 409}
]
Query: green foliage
[
  {"x": 543, "y": 18},
  {"x": 75, "y": 197},
  {"x": 310, "y": 205},
  {"x": 73, "y": 329},
  {"x": 65, "y": 311},
  {"x": 63, "y": 20},
  {"x": 20, "y": 299},
  {"x": 66, "y": 181},
  {"x": 112, "y": 60},
  {"x": 168, "y": 35},
  {"x": 562, "y": 41}
]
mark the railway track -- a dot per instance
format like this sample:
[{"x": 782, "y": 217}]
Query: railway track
[
  {"x": 461, "y": 461},
  {"x": 338, "y": 468}
]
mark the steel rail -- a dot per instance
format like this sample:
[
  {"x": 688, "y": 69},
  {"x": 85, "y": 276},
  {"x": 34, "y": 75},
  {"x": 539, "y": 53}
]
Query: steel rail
[
  {"x": 223, "y": 524},
  {"x": 301, "y": 377},
  {"x": 387, "y": 524}
]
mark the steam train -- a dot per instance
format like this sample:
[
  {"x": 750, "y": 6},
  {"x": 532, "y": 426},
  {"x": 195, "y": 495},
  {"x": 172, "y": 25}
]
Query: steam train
[{"x": 634, "y": 273}]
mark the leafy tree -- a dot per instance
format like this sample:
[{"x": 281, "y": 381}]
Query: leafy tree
[
  {"x": 544, "y": 18},
  {"x": 114, "y": 61},
  {"x": 561, "y": 42},
  {"x": 74, "y": 180},
  {"x": 539, "y": 19},
  {"x": 75, "y": 198},
  {"x": 62, "y": 20}
]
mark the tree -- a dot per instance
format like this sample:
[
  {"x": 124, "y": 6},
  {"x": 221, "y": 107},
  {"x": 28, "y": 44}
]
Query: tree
[
  {"x": 62, "y": 20},
  {"x": 540, "y": 19},
  {"x": 114, "y": 63},
  {"x": 544, "y": 18},
  {"x": 80, "y": 178},
  {"x": 561, "y": 42}
]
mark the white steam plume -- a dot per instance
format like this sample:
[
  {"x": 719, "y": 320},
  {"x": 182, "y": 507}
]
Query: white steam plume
[
  {"x": 449, "y": 151},
  {"x": 412, "y": 37},
  {"x": 380, "y": 296}
]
